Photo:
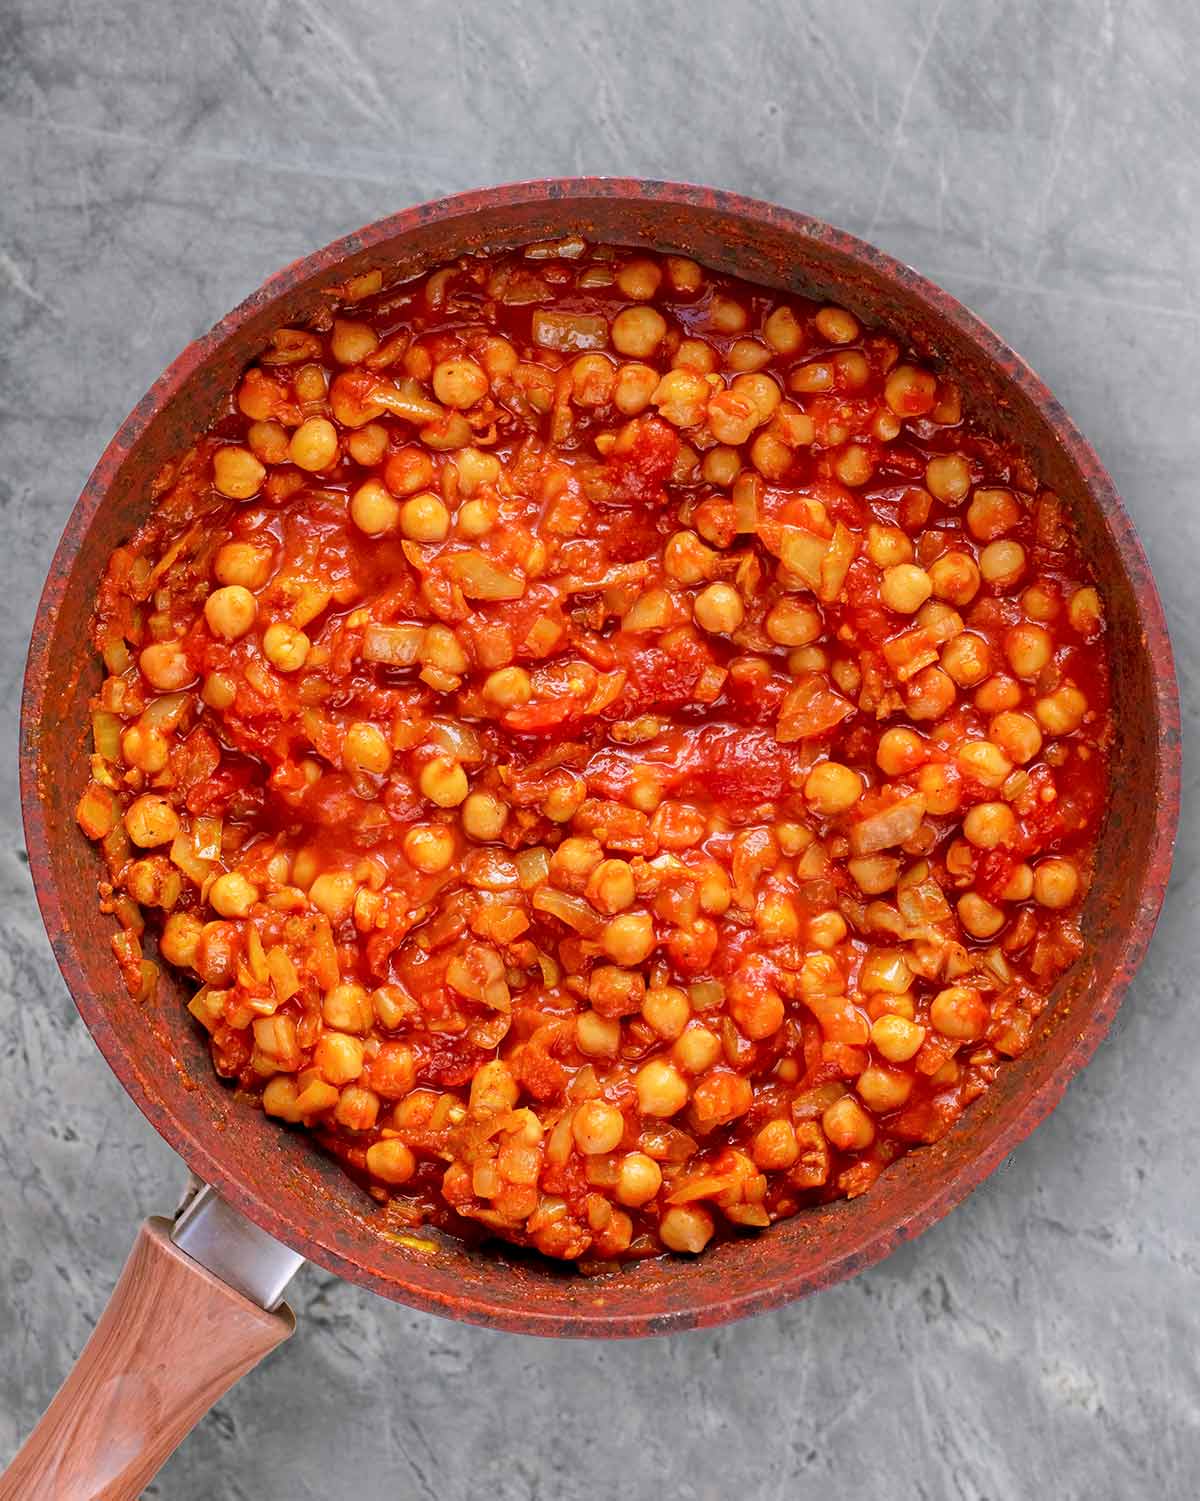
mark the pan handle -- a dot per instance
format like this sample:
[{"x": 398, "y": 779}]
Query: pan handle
[{"x": 172, "y": 1340}]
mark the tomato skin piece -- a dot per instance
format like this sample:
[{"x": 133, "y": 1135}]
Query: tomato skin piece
[{"x": 638, "y": 473}]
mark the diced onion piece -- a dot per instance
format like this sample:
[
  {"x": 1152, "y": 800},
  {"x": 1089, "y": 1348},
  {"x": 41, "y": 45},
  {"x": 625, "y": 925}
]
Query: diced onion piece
[
  {"x": 97, "y": 811},
  {"x": 809, "y": 709},
  {"x": 572, "y": 910},
  {"x": 479, "y": 578},
  {"x": 106, "y": 732},
  {"x": 836, "y": 563},
  {"x": 392, "y": 645},
  {"x": 406, "y": 399},
  {"x": 194, "y": 866},
  {"x": 891, "y": 826},
  {"x": 569, "y": 332},
  {"x": 802, "y": 553},
  {"x": 284, "y": 980},
  {"x": 533, "y": 867}
]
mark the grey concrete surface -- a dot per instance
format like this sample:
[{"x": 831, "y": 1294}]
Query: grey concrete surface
[{"x": 1040, "y": 160}]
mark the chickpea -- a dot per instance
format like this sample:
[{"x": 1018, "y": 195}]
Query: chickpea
[
  {"x": 770, "y": 455},
  {"x": 285, "y": 647},
  {"x": 230, "y": 611},
  {"x": 339, "y": 1057},
  {"x": 1055, "y": 883},
  {"x": 883, "y": 1089},
  {"x": 1002, "y": 563},
  {"x": 827, "y": 929},
  {"x": 978, "y": 916},
  {"x": 790, "y": 622},
  {"x": 279, "y": 1098},
  {"x": 443, "y": 781},
  {"x": 367, "y": 445},
  {"x": 761, "y": 392},
  {"x": 896, "y": 1038},
  {"x": 1019, "y": 886},
  {"x": 333, "y": 893},
  {"x": 887, "y": 546},
  {"x": 747, "y": 355},
  {"x": 959, "y": 1012},
  {"x": 508, "y": 688},
  {"x": 408, "y": 470},
  {"x": 219, "y": 691},
  {"x": 1061, "y": 712},
  {"x": 347, "y": 1008},
  {"x": 847, "y": 1125},
  {"x": 268, "y": 441},
  {"x": 314, "y": 444},
  {"x": 685, "y": 275},
  {"x": 909, "y": 391},
  {"x": 352, "y": 341},
  {"x": 726, "y": 315},
  {"x": 775, "y": 1148},
  {"x": 697, "y": 1049},
  {"x": 832, "y": 788},
  {"x": 373, "y": 510},
  {"x": 783, "y": 331},
  {"x": 967, "y": 659},
  {"x": 930, "y": 694},
  {"x": 1028, "y": 649},
  {"x": 899, "y": 751},
  {"x": 597, "y": 1036},
  {"x": 905, "y": 588},
  {"x": 687, "y": 560},
  {"x": 638, "y": 1179},
  {"x": 639, "y": 279},
  {"x": 610, "y": 887},
  {"x": 667, "y": 1010},
  {"x": 638, "y": 331},
  {"x": 992, "y": 513},
  {"x": 237, "y": 473},
  {"x": 1041, "y": 601},
  {"x": 150, "y": 820},
  {"x": 955, "y": 577},
  {"x": 310, "y": 383},
  {"x": 661, "y": 1089},
  {"x": 390, "y": 1161},
  {"x": 836, "y": 325},
  {"x": 1017, "y": 735},
  {"x": 853, "y": 465},
  {"x": 811, "y": 378},
  {"x": 996, "y": 693},
  {"x": 731, "y": 418},
  {"x": 721, "y": 466},
  {"x": 180, "y": 939},
  {"x": 597, "y": 1128},
  {"x": 424, "y": 518},
  {"x": 948, "y": 478},
  {"x": 1085, "y": 612},
  {"x": 429, "y": 847},
  {"x": 146, "y": 747},
  {"x": 459, "y": 383},
  {"x": 232, "y": 895},
  {"x": 989, "y": 825},
  {"x": 483, "y": 816},
  {"x": 635, "y": 385},
  {"x": 165, "y": 666},
  {"x": 718, "y": 609},
  {"x": 366, "y": 748},
  {"x": 984, "y": 763},
  {"x": 243, "y": 564},
  {"x": 629, "y": 938},
  {"x": 686, "y": 1228}
]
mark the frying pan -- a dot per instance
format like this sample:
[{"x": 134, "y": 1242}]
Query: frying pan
[{"x": 176, "y": 1336}]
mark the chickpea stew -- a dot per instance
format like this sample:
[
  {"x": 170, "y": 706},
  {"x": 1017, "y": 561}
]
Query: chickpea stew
[{"x": 620, "y": 749}]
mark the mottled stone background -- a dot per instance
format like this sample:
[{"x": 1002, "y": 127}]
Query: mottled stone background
[{"x": 1040, "y": 160}]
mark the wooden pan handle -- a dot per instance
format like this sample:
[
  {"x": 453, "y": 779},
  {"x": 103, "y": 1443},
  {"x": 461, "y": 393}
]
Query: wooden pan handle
[{"x": 171, "y": 1341}]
